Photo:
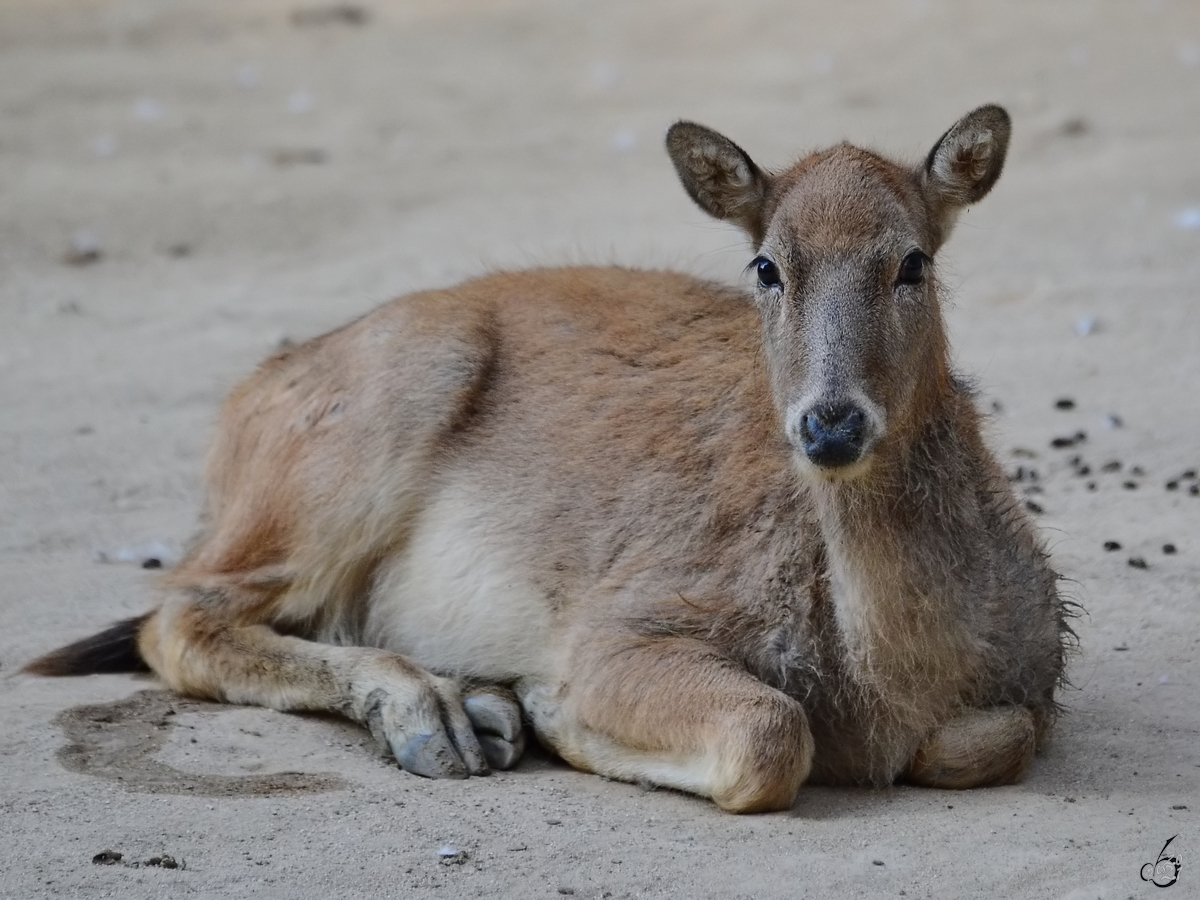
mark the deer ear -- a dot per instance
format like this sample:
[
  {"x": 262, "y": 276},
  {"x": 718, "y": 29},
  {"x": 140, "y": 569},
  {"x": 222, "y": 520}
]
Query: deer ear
[
  {"x": 719, "y": 176},
  {"x": 965, "y": 163}
]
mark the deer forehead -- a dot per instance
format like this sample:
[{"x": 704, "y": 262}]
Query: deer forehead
[{"x": 847, "y": 202}]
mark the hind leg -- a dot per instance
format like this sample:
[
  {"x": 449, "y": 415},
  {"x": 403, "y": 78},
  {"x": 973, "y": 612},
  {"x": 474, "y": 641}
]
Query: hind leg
[
  {"x": 980, "y": 748},
  {"x": 430, "y": 727}
]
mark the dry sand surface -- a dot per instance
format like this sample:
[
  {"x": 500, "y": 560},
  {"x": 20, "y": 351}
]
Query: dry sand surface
[{"x": 247, "y": 177}]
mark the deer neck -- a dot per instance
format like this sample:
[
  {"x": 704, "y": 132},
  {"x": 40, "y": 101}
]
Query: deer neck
[{"x": 902, "y": 546}]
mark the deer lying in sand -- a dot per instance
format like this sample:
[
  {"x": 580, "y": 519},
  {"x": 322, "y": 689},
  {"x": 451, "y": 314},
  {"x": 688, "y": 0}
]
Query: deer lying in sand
[{"x": 719, "y": 541}]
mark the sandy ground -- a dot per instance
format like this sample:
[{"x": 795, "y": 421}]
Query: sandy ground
[{"x": 247, "y": 177}]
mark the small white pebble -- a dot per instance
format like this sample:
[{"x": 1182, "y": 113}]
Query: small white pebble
[
  {"x": 104, "y": 146},
  {"x": 246, "y": 78},
  {"x": 300, "y": 102},
  {"x": 84, "y": 243},
  {"x": 447, "y": 851},
  {"x": 1189, "y": 218},
  {"x": 606, "y": 74},
  {"x": 1086, "y": 325},
  {"x": 147, "y": 109},
  {"x": 823, "y": 64},
  {"x": 137, "y": 554},
  {"x": 625, "y": 140}
]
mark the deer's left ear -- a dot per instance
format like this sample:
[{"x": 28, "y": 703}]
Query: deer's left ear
[{"x": 965, "y": 163}]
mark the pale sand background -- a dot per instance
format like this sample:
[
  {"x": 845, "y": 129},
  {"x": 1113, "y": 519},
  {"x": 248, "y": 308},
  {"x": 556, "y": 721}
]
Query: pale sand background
[{"x": 462, "y": 136}]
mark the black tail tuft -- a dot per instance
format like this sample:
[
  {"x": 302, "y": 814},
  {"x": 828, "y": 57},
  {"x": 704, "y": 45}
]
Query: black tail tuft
[{"x": 112, "y": 650}]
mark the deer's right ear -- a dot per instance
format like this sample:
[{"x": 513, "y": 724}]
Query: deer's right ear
[{"x": 719, "y": 176}]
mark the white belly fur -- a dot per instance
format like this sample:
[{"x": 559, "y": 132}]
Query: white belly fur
[{"x": 455, "y": 600}]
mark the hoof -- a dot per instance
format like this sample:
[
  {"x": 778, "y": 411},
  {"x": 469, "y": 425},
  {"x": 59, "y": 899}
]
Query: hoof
[{"x": 431, "y": 755}]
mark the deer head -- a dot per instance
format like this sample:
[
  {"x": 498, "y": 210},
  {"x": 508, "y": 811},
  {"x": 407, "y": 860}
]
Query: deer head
[{"x": 846, "y": 281}]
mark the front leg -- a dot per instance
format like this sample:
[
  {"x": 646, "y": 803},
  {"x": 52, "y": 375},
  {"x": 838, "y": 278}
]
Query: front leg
[
  {"x": 431, "y": 727},
  {"x": 979, "y": 748},
  {"x": 673, "y": 712}
]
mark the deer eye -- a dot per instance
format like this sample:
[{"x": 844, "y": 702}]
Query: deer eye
[
  {"x": 912, "y": 269},
  {"x": 768, "y": 273}
]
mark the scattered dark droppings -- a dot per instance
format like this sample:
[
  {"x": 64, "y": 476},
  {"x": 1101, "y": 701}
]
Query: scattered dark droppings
[
  {"x": 1064, "y": 403},
  {"x": 1035, "y": 508},
  {"x": 1130, "y": 485},
  {"x": 1172, "y": 485},
  {"x": 1138, "y": 562},
  {"x": 107, "y": 858},
  {"x": 1112, "y": 545},
  {"x": 566, "y": 891},
  {"x": 1083, "y": 470},
  {"x": 343, "y": 14},
  {"x": 1120, "y": 648},
  {"x": 163, "y": 862},
  {"x": 877, "y": 862},
  {"x": 84, "y": 256},
  {"x": 1194, "y": 490},
  {"x": 1179, "y": 806},
  {"x": 1137, "y": 471},
  {"x": 1068, "y": 799},
  {"x": 1189, "y": 475},
  {"x": 1169, "y": 549},
  {"x": 1091, "y": 485},
  {"x": 554, "y": 821},
  {"x": 1111, "y": 466},
  {"x": 152, "y": 563}
]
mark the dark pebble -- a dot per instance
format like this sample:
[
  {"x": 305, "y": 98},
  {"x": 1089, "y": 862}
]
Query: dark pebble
[
  {"x": 1111, "y": 545},
  {"x": 1060, "y": 442},
  {"x": 1172, "y": 485},
  {"x": 1137, "y": 562},
  {"x": 1035, "y": 508},
  {"x": 1091, "y": 485},
  {"x": 1194, "y": 490},
  {"x": 1169, "y": 549},
  {"x": 152, "y": 563},
  {"x": 1113, "y": 466},
  {"x": 877, "y": 862},
  {"x": 1179, "y": 806},
  {"x": 566, "y": 891},
  {"x": 107, "y": 858},
  {"x": 1064, "y": 403},
  {"x": 1083, "y": 470},
  {"x": 1130, "y": 485}
]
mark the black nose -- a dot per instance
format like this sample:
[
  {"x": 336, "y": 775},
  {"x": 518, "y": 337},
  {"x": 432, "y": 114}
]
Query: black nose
[{"x": 833, "y": 434}]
